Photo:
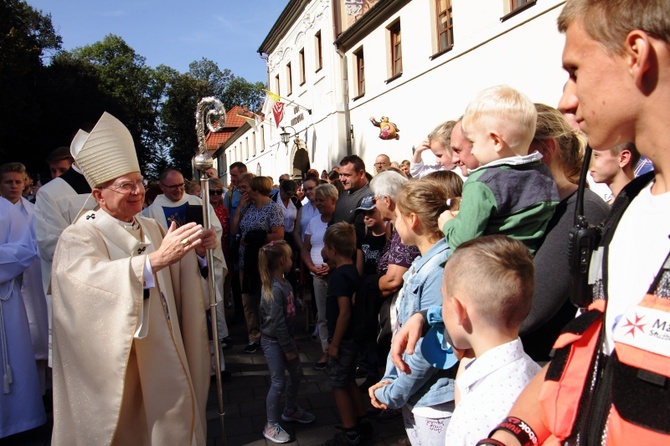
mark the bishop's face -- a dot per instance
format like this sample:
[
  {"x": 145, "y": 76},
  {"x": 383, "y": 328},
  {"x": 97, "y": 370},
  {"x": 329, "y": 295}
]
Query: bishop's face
[{"x": 123, "y": 197}]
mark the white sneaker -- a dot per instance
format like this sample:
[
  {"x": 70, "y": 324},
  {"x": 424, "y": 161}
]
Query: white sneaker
[{"x": 276, "y": 434}]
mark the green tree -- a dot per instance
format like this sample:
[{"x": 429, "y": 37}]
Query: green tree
[
  {"x": 125, "y": 77},
  {"x": 26, "y": 36},
  {"x": 203, "y": 79},
  {"x": 243, "y": 93},
  {"x": 211, "y": 76},
  {"x": 224, "y": 85},
  {"x": 42, "y": 106},
  {"x": 161, "y": 78},
  {"x": 178, "y": 118}
]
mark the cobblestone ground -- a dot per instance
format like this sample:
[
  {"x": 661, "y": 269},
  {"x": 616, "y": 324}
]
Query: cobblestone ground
[{"x": 244, "y": 392}]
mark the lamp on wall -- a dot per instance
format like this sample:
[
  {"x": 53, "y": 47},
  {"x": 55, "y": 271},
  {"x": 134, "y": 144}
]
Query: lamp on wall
[{"x": 286, "y": 136}]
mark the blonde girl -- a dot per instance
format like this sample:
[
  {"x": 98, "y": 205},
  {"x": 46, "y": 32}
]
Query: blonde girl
[
  {"x": 426, "y": 394},
  {"x": 277, "y": 312}
]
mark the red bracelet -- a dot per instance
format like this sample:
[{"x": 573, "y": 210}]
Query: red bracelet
[
  {"x": 520, "y": 429},
  {"x": 490, "y": 442}
]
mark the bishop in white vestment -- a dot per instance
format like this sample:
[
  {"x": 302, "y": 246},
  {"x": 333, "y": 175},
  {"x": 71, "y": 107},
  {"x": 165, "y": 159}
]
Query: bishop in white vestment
[{"x": 131, "y": 358}]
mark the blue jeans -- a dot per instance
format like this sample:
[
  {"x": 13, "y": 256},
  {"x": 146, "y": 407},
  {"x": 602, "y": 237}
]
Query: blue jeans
[{"x": 278, "y": 366}]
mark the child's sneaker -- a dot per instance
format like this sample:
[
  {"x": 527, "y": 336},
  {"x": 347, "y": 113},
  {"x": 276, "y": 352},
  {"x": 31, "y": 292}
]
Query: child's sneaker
[
  {"x": 298, "y": 415},
  {"x": 252, "y": 347},
  {"x": 345, "y": 438},
  {"x": 276, "y": 434}
]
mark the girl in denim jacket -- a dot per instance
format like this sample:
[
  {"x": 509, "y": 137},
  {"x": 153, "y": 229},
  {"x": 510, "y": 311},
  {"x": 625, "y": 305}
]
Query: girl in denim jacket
[{"x": 426, "y": 396}]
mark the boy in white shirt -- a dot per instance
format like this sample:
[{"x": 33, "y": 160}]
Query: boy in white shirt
[{"x": 482, "y": 309}]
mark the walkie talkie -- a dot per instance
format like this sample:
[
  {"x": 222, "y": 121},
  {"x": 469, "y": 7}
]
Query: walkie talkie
[{"x": 582, "y": 241}]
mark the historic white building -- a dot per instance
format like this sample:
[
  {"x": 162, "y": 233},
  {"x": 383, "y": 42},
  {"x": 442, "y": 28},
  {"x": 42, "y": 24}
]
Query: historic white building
[{"x": 338, "y": 63}]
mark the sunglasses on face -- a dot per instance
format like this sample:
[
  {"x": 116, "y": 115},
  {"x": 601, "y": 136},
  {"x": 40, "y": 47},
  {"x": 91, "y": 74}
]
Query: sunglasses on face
[{"x": 216, "y": 191}]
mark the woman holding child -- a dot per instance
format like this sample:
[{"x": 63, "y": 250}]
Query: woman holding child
[
  {"x": 426, "y": 394},
  {"x": 562, "y": 151}
]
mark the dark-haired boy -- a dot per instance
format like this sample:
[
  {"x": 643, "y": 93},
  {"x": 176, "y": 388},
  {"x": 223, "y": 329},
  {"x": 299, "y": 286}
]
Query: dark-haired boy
[{"x": 340, "y": 246}]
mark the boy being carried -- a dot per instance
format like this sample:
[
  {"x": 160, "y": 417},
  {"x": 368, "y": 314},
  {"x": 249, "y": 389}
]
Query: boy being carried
[
  {"x": 512, "y": 192},
  {"x": 482, "y": 309},
  {"x": 339, "y": 247}
]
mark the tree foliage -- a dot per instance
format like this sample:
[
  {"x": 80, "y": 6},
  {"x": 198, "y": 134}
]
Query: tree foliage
[
  {"x": 25, "y": 36},
  {"x": 244, "y": 93},
  {"x": 182, "y": 96},
  {"x": 43, "y": 105}
]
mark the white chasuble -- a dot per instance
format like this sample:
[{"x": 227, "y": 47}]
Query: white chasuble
[{"x": 111, "y": 386}]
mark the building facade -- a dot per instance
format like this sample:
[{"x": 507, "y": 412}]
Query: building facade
[{"x": 338, "y": 63}]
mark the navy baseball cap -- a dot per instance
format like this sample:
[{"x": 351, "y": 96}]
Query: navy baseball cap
[{"x": 367, "y": 203}]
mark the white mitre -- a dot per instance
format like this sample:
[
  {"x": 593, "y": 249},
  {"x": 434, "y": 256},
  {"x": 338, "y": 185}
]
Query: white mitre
[{"x": 106, "y": 153}]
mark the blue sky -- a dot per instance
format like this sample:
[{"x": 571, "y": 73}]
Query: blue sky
[{"x": 172, "y": 32}]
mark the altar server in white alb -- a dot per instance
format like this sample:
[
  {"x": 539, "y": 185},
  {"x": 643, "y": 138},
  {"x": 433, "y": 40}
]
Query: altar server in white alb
[
  {"x": 12, "y": 177},
  {"x": 131, "y": 359},
  {"x": 21, "y": 405}
]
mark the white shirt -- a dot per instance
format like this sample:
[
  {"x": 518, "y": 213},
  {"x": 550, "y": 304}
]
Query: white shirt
[
  {"x": 420, "y": 170},
  {"x": 290, "y": 213},
  {"x": 636, "y": 253},
  {"x": 489, "y": 385},
  {"x": 316, "y": 229}
]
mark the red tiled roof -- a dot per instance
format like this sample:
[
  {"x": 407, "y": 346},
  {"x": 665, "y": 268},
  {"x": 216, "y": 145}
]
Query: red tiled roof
[{"x": 233, "y": 122}]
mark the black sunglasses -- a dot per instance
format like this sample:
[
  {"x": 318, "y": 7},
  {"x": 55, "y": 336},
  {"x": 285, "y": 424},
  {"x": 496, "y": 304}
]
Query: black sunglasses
[{"x": 216, "y": 191}]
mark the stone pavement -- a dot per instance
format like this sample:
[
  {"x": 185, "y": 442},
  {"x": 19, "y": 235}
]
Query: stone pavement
[
  {"x": 245, "y": 391},
  {"x": 244, "y": 401}
]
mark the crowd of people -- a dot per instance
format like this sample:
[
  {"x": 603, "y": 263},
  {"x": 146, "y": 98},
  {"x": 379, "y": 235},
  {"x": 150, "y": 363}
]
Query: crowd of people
[{"x": 450, "y": 285}]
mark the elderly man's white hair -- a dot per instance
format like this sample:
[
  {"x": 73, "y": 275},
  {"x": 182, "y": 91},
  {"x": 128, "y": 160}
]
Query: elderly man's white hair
[{"x": 387, "y": 184}]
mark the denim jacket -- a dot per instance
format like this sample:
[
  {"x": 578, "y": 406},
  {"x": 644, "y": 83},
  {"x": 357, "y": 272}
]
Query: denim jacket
[
  {"x": 426, "y": 386},
  {"x": 422, "y": 282}
]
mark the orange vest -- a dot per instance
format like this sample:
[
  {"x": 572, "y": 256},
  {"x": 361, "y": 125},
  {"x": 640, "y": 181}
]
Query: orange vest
[
  {"x": 631, "y": 398},
  {"x": 625, "y": 397}
]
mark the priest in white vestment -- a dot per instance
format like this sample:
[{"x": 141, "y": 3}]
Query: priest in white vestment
[
  {"x": 57, "y": 205},
  {"x": 131, "y": 358},
  {"x": 173, "y": 205}
]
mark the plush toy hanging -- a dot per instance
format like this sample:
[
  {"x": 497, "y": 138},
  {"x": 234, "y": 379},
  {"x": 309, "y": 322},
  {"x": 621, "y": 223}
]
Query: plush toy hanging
[{"x": 387, "y": 129}]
